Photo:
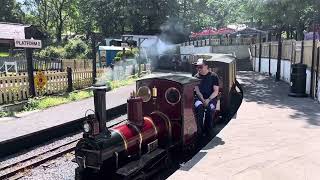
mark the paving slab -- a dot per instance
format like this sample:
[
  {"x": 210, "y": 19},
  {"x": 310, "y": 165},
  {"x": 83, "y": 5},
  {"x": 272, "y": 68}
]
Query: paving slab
[
  {"x": 32, "y": 122},
  {"x": 274, "y": 137}
]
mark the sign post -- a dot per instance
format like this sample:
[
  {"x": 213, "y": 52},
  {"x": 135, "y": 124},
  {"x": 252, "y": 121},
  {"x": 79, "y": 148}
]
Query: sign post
[{"x": 29, "y": 44}]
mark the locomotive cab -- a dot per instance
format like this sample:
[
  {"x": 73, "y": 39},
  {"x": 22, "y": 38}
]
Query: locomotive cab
[
  {"x": 231, "y": 93},
  {"x": 174, "y": 101}
]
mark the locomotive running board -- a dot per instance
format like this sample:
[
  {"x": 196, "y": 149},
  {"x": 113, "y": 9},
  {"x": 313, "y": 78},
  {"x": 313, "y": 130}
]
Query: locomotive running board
[{"x": 144, "y": 166}]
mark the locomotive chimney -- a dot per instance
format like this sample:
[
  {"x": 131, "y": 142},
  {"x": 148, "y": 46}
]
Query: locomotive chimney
[
  {"x": 99, "y": 92},
  {"x": 134, "y": 109}
]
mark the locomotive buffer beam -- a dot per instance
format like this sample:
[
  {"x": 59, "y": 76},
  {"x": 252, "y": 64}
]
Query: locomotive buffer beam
[{"x": 146, "y": 166}]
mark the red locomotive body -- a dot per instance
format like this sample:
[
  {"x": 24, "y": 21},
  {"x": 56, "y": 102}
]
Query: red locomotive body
[{"x": 160, "y": 119}]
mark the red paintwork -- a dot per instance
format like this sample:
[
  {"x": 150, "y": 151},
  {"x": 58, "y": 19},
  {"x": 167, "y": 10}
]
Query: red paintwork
[
  {"x": 149, "y": 132},
  {"x": 183, "y": 124},
  {"x": 134, "y": 109},
  {"x": 189, "y": 123}
]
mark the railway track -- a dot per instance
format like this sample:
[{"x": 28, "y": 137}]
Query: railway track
[
  {"x": 19, "y": 144},
  {"x": 11, "y": 171},
  {"x": 15, "y": 170}
]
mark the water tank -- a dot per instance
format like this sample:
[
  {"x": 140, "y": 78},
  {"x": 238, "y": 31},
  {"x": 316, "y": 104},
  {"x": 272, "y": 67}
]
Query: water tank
[{"x": 298, "y": 80}]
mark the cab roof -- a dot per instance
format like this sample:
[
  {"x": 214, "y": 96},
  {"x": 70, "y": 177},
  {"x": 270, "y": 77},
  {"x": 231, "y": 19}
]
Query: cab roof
[
  {"x": 176, "y": 78},
  {"x": 226, "y": 58}
]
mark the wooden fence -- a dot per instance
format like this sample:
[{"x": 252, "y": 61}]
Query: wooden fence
[
  {"x": 291, "y": 51},
  {"x": 294, "y": 52},
  {"x": 15, "y": 87},
  {"x": 219, "y": 42},
  {"x": 46, "y": 64}
]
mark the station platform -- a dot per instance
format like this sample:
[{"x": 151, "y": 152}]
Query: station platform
[
  {"x": 274, "y": 137},
  {"x": 23, "y": 124}
]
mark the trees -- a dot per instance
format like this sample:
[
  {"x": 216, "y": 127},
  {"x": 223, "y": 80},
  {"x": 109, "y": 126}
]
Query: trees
[
  {"x": 10, "y": 11},
  {"x": 115, "y": 17}
]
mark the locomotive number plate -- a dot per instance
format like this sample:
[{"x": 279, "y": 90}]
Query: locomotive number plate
[{"x": 153, "y": 146}]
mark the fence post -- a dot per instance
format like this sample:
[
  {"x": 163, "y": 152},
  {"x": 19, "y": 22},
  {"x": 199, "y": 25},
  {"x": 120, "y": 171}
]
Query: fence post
[
  {"x": 317, "y": 74},
  {"x": 313, "y": 63},
  {"x": 279, "y": 59},
  {"x": 61, "y": 65},
  {"x": 30, "y": 72},
  {"x": 260, "y": 53},
  {"x": 255, "y": 56},
  {"x": 69, "y": 76},
  {"x": 270, "y": 59},
  {"x": 94, "y": 60},
  {"x": 74, "y": 64},
  {"x": 302, "y": 51}
]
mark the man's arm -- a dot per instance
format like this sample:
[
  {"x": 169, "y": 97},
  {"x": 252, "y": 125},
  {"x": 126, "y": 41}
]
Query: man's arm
[
  {"x": 215, "y": 92},
  {"x": 200, "y": 96},
  {"x": 212, "y": 96}
]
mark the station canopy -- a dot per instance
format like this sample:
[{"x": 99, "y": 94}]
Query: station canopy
[
  {"x": 212, "y": 32},
  {"x": 248, "y": 32}
]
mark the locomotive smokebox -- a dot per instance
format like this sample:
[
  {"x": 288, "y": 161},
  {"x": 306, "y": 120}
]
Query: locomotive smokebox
[
  {"x": 134, "y": 109},
  {"x": 99, "y": 92}
]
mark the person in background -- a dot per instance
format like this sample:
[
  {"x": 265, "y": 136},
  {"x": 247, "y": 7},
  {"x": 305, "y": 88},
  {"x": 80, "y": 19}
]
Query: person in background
[{"x": 205, "y": 97}]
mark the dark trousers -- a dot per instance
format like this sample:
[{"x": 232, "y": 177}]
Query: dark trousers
[{"x": 207, "y": 125}]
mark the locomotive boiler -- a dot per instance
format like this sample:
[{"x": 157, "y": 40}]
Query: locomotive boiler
[{"x": 160, "y": 122}]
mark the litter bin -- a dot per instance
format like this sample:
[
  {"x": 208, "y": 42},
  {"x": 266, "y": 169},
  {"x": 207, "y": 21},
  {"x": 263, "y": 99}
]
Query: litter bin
[{"x": 298, "y": 80}]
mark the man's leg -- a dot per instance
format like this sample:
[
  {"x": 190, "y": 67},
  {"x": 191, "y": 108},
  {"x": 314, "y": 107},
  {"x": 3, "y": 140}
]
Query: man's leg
[
  {"x": 199, "y": 108},
  {"x": 209, "y": 124}
]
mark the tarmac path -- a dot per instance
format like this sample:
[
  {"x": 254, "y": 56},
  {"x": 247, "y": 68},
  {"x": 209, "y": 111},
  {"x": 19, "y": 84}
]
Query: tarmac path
[{"x": 275, "y": 137}]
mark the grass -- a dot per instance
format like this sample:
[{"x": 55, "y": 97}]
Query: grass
[
  {"x": 50, "y": 101},
  {"x": 120, "y": 83},
  {"x": 4, "y": 54}
]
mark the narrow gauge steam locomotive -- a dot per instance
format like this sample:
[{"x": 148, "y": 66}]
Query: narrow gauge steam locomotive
[{"x": 160, "y": 122}]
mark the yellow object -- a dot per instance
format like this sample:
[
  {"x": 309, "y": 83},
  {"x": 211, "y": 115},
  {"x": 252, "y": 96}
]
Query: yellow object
[
  {"x": 40, "y": 80},
  {"x": 154, "y": 92}
]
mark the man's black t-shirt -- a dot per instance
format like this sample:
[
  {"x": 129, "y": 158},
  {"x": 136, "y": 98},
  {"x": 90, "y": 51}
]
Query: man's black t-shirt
[{"x": 207, "y": 82}]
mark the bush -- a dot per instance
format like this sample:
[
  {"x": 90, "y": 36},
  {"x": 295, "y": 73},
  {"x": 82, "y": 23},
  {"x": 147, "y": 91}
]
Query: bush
[
  {"x": 76, "y": 48},
  {"x": 127, "y": 54},
  {"x": 117, "y": 59},
  {"x": 51, "y": 52}
]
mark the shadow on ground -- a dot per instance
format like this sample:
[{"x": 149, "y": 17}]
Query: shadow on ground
[
  {"x": 216, "y": 141},
  {"x": 265, "y": 90}
]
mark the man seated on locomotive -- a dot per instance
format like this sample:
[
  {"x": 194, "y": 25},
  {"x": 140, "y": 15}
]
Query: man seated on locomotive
[{"x": 205, "y": 97}]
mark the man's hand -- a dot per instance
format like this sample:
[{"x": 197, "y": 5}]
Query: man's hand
[{"x": 206, "y": 102}]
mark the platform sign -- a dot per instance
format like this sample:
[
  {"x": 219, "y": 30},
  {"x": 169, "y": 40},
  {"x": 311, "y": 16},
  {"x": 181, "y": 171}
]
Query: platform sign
[{"x": 28, "y": 43}]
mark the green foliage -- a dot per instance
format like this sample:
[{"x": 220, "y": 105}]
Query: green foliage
[
  {"x": 10, "y": 11},
  {"x": 76, "y": 48},
  {"x": 117, "y": 59},
  {"x": 127, "y": 54},
  {"x": 50, "y": 101},
  {"x": 4, "y": 54},
  {"x": 6, "y": 113},
  {"x": 80, "y": 95},
  {"x": 120, "y": 83},
  {"x": 52, "y": 52},
  {"x": 58, "y": 18}
]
